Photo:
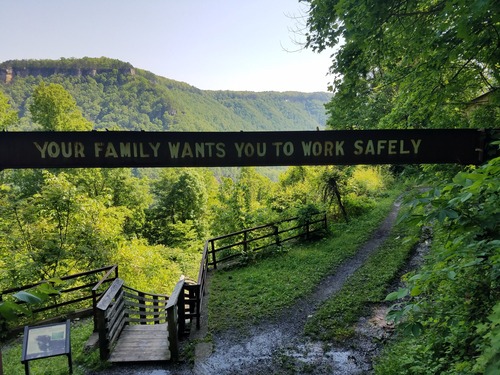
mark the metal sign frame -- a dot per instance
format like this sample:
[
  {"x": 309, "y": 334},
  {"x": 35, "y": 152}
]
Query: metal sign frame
[
  {"x": 115, "y": 149},
  {"x": 45, "y": 341}
]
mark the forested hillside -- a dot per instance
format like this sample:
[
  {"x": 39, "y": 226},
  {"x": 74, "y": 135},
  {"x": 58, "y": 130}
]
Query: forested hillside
[
  {"x": 401, "y": 65},
  {"x": 114, "y": 95}
]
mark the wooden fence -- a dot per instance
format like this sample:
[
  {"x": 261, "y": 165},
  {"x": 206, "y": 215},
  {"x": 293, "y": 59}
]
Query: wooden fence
[
  {"x": 226, "y": 248},
  {"x": 77, "y": 298},
  {"x": 230, "y": 247}
]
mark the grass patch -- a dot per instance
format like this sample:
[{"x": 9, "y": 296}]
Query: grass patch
[
  {"x": 240, "y": 297},
  {"x": 334, "y": 320},
  {"x": 83, "y": 361}
]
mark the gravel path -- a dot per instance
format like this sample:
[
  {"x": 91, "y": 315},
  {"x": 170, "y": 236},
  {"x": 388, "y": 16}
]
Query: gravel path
[{"x": 279, "y": 347}]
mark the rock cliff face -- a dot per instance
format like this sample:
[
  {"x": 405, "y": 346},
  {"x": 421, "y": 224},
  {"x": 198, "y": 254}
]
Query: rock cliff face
[{"x": 7, "y": 74}]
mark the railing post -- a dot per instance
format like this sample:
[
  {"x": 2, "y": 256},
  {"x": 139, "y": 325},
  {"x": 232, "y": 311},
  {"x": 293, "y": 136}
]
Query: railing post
[
  {"x": 103, "y": 337},
  {"x": 142, "y": 310},
  {"x": 245, "y": 241},
  {"x": 181, "y": 312},
  {"x": 198, "y": 305},
  {"x": 156, "y": 311},
  {"x": 213, "y": 254},
  {"x": 94, "y": 308},
  {"x": 276, "y": 233},
  {"x": 173, "y": 341}
]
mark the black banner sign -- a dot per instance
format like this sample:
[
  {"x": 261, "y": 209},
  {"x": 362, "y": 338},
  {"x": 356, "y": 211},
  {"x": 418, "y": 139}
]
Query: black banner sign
[{"x": 216, "y": 149}]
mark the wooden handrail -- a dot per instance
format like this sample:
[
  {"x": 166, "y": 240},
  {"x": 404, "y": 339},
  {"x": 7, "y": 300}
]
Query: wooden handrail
[
  {"x": 273, "y": 235},
  {"x": 64, "y": 278},
  {"x": 105, "y": 277}
]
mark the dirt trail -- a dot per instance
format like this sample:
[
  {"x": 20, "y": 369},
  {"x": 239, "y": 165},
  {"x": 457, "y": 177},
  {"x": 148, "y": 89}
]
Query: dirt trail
[{"x": 279, "y": 347}]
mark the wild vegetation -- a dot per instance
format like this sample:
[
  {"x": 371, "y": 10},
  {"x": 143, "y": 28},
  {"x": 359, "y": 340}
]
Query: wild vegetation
[
  {"x": 111, "y": 97},
  {"x": 413, "y": 64},
  {"x": 429, "y": 64}
]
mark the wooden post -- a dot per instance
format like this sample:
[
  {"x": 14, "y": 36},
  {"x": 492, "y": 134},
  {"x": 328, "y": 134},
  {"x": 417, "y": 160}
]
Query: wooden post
[
  {"x": 173, "y": 341},
  {"x": 198, "y": 306},
  {"x": 213, "y": 254},
  {"x": 103, "y": 339},
  {"x": 156, "y": 311},
  {"x": 276, "y": 233},
  {"x": 142, "y": 310},
  {"x": 181, "y": 312},
  {"x": 245, "y": 241},
  {"x": 94, "y": 309}
]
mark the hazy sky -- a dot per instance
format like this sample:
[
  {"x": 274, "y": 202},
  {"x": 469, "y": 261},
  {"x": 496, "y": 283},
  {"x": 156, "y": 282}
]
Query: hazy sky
[{"x": 210, "y": 44}]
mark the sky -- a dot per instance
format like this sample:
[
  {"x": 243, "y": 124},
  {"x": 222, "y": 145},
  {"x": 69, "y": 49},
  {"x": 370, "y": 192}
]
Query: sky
[{"x": 241, "y": 45}]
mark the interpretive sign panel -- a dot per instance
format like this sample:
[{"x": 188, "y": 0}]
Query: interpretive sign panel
[
  {"x": 46, "y": 341},
  {"x": 216, "y": 149}
]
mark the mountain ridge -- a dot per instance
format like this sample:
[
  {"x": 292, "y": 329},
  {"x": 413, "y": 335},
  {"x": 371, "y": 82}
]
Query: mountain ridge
[{"x": 115, "y": 95}]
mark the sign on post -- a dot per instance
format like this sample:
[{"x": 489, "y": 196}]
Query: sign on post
[
  {"x": 219, "y": 149},
  {"x": 46, "y": 341}
]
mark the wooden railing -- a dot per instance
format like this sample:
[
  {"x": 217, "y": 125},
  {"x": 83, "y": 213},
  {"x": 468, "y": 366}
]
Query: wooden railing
[
  {"x": 122, "y": 305},
  {"x": 77, "y": 298},
  {"x": 225, "y": 248},
  {"x": 254, "y": 240}
]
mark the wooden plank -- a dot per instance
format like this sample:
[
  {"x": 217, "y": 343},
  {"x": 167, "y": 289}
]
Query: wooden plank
[
  {"x": 142, "y": 343},
  {"x": 107, "y": 298}
]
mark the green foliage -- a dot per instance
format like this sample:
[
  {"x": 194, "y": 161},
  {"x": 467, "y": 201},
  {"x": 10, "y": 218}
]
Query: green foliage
[
  {"x": 8, "y": 116},
  {"x": 453, "y": 298},
  {"x": 56, "y": 230},
  {"x": 335, "y": 319},
  {"x": 55, "y": 109},
  {"x": 408, "y": 64},
  {"x": 155, "y": 269},
  {"x": 178, "y": 215},
  {"x": 259, "y": 290},
  {"x": 23, "y": 301},
  {"x": 113, "y": 95},
  {"x": 242, "y": 203}
]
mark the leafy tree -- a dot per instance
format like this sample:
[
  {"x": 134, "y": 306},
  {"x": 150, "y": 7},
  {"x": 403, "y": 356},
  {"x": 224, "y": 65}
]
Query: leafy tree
[
  {"x": 180, "y": 200},
  {"x": 297, "y": 187},
  {"x": 57, "y": 230},
  {"x": 8, "y": 116},
  {"x": 243, "y": 203},
  {"x": 331, "y": 189},
  {"x": 453, "y": 303},
  {"x": 408, "y": 64},
  {"x": 116, "y": 187},
  {"x": 55, "y": 109}
]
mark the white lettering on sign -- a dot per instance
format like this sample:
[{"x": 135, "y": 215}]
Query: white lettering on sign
[
  {"x": 387, "y": 146},
  {"x": 249, "y": 150},
  {"x": 126, "y": 150},
  {"x": 201, "y": 150},
  {"x": 285, "y": 147},
  {"x": 327, "y": 148},
  {"x": 64, "y": 149}
]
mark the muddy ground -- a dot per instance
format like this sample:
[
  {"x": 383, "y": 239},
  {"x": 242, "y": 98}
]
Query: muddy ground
[{"x": 279, "y": 346}]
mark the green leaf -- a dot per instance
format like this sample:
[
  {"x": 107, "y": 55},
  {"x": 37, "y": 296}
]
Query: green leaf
[
  {"x": 8, "y": 310},
  {"x": 28, "y": 297},
  {"x": 400, "y": 293},
  {"x": 47, "y": 289},
  {"x": 415, "y": 291},
  {"x": 392, "y": 296}
]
